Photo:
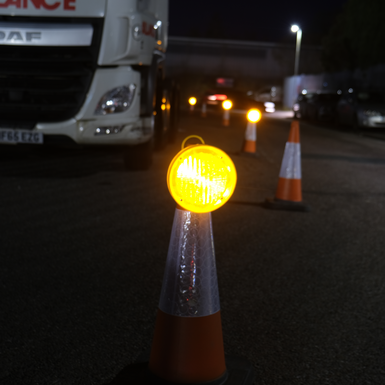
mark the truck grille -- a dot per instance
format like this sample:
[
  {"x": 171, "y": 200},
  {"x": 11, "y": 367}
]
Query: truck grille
[{"x": 45, "y": 84}]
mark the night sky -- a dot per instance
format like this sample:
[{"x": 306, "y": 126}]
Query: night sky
[{"x": 268, "y": 21}]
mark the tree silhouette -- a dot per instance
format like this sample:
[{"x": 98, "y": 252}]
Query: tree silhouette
[{"x": 356, "y": 37}]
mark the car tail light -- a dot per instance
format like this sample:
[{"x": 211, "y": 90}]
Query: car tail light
[{"x": 217, "y": 97}]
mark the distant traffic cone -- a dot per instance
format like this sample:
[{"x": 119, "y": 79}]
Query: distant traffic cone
[
  {"x": 203, "y": 111},
  {"x": 289, "y": 191},
  {"x": 226, "y": 117},
  {"x": 250, "y": 143},
  {"x": 188, "y": 343},
  {"x": 226, "y": 105},
  {"x": 192, "y": 101}
]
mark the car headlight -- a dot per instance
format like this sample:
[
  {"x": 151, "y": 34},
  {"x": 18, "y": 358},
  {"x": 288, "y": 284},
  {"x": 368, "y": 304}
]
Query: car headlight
[
  {"x": 116, "y": 100},
  {"x": 269, "y": 106},
  {"x": 372, "y": 113}
]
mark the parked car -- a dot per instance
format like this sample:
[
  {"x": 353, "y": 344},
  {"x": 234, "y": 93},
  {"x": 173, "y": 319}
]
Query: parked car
[
  {"x": 241, "y": 101},
  {"x": 300, "y": 105},
  {"x": 268, "y": 94},
  {"x": 322, "y": 105},
  {"x": 361, "y": 109}
]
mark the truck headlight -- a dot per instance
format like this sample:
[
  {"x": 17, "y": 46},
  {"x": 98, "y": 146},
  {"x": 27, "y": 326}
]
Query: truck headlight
[{"x": 116, "y": 100}]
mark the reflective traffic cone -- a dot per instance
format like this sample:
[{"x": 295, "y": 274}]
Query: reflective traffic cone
[
  {"x": 226, "y": 117},
  {"x": 188, "y": 344},
  {"x": 250, "y": 143},
  {"x": 192, "y": 101},
  {"x": 226, "y": 105},
  {"x": 289, "y": 191},
  {"x": 204, "y": 110}
]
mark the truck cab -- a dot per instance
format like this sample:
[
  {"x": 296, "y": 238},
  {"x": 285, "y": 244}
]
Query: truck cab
[{"x": 88, "y": 72}]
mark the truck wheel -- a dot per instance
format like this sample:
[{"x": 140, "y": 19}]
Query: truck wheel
[{"x": 139, "y": 157}]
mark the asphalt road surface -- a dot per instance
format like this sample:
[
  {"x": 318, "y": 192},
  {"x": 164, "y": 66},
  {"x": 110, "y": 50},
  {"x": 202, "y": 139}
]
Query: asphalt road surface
[{"x": 84, "y": 244}]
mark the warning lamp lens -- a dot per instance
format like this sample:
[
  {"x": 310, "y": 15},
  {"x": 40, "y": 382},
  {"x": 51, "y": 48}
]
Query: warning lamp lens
[
  {"x": 201, "y": 178},
  {"x": 254, "y": 116},
  {"x": 192, "y": 101},
  {"x": 227, "y": 104}
]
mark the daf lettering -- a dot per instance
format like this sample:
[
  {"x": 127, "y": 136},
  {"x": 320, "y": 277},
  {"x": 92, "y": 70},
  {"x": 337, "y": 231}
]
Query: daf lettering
[
  {"x": 18, "y": 37},
  {"x": 49, "y": 5}
]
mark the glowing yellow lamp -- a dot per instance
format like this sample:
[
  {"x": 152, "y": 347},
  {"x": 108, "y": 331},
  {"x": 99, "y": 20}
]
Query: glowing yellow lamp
[
  {"x": 192, "y": 101},
  {"x": 227, "y": 104},
  {"x": 254, "y": 116},
  {"x": 201, "y": 178}
]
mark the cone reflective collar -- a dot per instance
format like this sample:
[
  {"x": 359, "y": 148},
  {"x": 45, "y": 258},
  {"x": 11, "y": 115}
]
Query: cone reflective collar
[{"x": 201, "y": 178}]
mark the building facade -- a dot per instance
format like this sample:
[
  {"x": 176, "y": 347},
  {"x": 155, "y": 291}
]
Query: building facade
[{"x": 198, "y": 62}]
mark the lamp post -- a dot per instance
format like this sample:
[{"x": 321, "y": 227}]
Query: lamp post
[{"x": 296, "y": 29}]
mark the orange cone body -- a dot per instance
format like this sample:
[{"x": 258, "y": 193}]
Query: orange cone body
[
  {"x": 188, "y": 343},
  {"x": 226, "y": 117},
  {"x": 204, "y": 110},
  {"x": 289, "y": 183},
  {"x": 250, "y": 144}
]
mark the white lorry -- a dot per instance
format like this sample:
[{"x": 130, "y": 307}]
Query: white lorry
[{"x": 89, "y": 72}]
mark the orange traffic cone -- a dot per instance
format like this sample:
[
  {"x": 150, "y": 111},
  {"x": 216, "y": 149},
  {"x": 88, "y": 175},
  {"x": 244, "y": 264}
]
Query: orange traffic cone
[
  {"x": 289, "y": 191},
  {"x": 250, "y": 143},
  {"x": 188, "y": 343},
  {"x": 226, "y": 117},
  {"x": 204, "y": 110},
  {"x": 187, "y": 347}
]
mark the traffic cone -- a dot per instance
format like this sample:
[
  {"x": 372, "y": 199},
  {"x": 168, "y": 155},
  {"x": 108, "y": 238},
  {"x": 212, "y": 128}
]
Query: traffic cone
[
  {"x": 187, "y": 347},
  {"x": 188, "y": 343},
  {"x": 250, "y": 143},
  {"x": 289, "y": 191},
  {"x": 204, "y": 110},
  {"x": 226, "y": 117}
]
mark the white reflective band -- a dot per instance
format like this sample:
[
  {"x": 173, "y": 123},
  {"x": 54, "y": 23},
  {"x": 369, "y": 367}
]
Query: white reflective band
[
  {"x": 190, "y": 286},
  {"x": 251, "y": 132},
  {"x": 291, "y": 163}
]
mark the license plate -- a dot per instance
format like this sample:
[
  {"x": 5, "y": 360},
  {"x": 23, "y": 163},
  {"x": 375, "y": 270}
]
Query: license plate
[{"x": 20, "y": 136}]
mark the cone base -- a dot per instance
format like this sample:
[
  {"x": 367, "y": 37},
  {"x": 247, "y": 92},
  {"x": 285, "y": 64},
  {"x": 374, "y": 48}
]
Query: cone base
[
  {"x": 250, "y": 146},
  {"x": 239, "y": 372},
  {"x": 188, "y": 349},
  {"x": 278, "y": 204}
]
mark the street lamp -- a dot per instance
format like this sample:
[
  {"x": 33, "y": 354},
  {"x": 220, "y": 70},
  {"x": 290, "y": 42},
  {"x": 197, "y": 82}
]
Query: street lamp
[{"x": 296, "y": 29}]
